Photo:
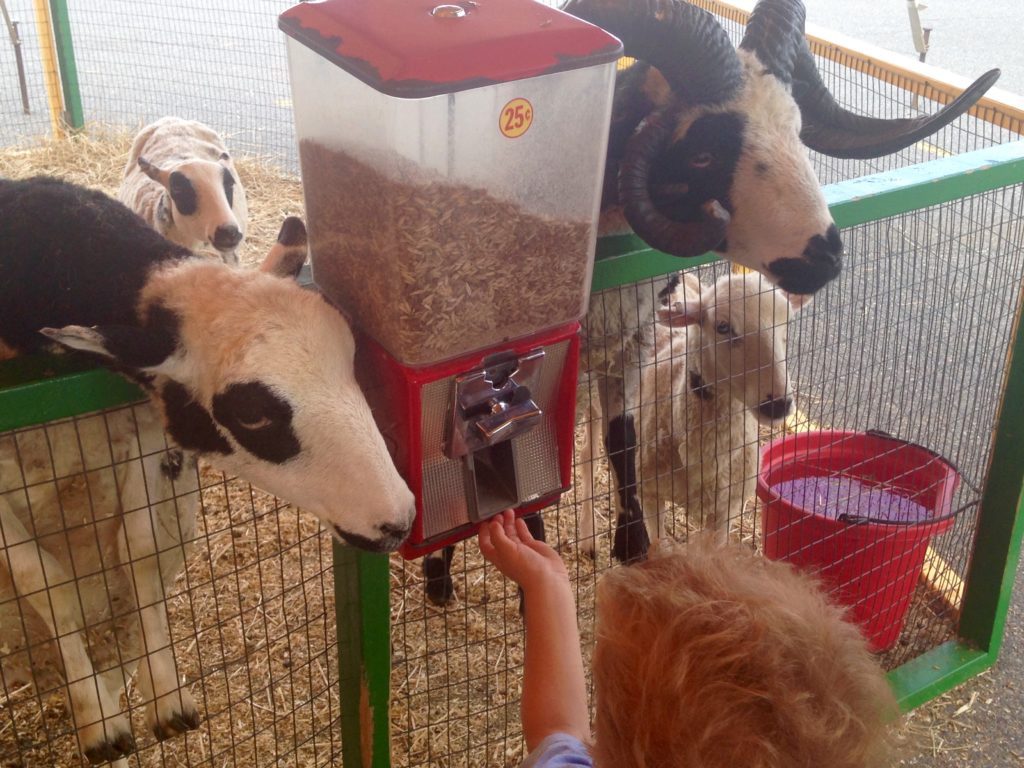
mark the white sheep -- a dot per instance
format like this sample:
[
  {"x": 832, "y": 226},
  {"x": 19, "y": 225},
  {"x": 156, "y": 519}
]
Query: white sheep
[
  {"x": 716, "y": 370},
  {"x": 94, "y": 515},
  {"x": 181, "y": 179},
  {"x": 241, "y": 367}
]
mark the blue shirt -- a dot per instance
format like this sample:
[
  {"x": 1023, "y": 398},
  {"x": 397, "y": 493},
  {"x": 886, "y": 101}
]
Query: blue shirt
[{"x": 559, "y": 750}]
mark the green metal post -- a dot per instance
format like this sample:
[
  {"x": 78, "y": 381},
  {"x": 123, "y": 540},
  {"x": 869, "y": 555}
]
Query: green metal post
[
  {"x": 75, "y": 117},
  {"x": 1001, "y": 520},
  {"x": 362, "y": 605},
  {"x": 41, "y": 388}
]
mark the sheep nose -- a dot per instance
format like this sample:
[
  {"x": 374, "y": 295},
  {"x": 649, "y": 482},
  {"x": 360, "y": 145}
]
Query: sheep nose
[
  {"x": 776, "y": 408},
  {"x": 821, "y": 262},
  {"x": 227, "y": 237},
  {"x": 825, "y": 249},
  {"x": 395, "y": 531}
]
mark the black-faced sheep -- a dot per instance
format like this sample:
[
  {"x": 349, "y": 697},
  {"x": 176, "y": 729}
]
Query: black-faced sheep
[
  {"x": 717, "y": 369},
  {"x": 181, "y": 179},
  {"x": 708, "y": 151},
  {"x": 244, "y": 368}
]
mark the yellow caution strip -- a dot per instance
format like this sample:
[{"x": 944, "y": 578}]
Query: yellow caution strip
[
  {"x": 943, "y": 579},
  {"x": 48, "y": 53}
]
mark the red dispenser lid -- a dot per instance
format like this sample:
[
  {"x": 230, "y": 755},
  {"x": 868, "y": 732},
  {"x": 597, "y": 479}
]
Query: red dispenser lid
[{"x": 418, "y": 48}]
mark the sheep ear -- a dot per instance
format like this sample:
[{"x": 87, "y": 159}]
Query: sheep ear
[
  {"x": 154, "y": 172},
  {"x": 681, "y": 313},
  {"x": 286, "y": 257},
  {"x": 129, "y": 346}
]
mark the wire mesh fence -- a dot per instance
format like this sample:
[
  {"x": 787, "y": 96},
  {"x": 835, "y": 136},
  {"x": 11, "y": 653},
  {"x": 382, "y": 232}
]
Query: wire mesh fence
[
  {"x": 911, "y": 340},
  {"x": 249, "y": 628}
]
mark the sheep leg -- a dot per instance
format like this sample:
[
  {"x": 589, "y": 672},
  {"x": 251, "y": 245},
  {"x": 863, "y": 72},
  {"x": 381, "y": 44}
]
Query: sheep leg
[
  {"x": 152, "y": 550},
  {"x": 585, "y": 491},
  {"x": 631, "y": 539},
  {"x": 721, "y": 514},
  {"x": 437, "y": 576},
  {"x": 104, "y": 733}
]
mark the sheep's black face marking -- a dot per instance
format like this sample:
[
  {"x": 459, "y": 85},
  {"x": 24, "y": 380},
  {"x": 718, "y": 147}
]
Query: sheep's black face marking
[
  {"x": 699, "y": 387},
  {"x": 189, "y": 423},
  {"x": 183, "y": 194},
  {"x": 822, "y": 261},
  {"x": 389, "y": 540},
  {"x": 259, "y": 420},
  {"x": 171, "y": 464},
  {"x": 699, "y": 167},
  {"x": 229, "y": 186},
  {"x": 671, "y": 284}
]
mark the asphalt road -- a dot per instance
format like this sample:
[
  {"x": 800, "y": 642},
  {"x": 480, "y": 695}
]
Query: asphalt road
[{"x": 968, "y": 37}]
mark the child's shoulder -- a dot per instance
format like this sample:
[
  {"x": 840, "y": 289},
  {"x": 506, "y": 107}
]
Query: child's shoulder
[{"x": 559, "y": 750}]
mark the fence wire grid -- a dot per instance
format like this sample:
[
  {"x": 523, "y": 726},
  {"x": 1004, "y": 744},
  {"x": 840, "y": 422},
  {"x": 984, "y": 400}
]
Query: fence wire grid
[{"x": 911, "y": 339}]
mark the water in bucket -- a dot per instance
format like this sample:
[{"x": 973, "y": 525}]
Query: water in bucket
[{"x": 859, "y": 510}]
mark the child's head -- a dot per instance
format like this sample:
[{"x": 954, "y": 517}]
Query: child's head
[{"x": 710, "y": 656}]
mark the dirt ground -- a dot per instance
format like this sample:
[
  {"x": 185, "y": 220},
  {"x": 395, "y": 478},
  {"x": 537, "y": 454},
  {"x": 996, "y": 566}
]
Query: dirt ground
[{"x": 978, "y": 724}]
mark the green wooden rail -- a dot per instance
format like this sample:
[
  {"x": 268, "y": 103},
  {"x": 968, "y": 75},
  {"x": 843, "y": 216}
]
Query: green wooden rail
[{"x": 37, "y": 389}]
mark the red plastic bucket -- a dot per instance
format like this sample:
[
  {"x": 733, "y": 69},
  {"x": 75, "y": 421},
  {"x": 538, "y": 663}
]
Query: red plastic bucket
[{"x": 858, "y": 509}]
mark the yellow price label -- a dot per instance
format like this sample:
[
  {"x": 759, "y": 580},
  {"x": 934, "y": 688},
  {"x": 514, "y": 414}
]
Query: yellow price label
[{"x": 516, "y": 118}]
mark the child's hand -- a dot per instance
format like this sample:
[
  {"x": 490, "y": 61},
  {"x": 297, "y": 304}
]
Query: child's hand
[{"x": 506, "y": 542}]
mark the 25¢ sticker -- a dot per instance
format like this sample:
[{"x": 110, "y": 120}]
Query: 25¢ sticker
[{"x": 516, "y": 118}]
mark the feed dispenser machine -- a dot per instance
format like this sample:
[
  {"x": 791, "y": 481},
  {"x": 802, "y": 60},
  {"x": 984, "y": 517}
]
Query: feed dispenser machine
[{"x": 452, "y": 161}]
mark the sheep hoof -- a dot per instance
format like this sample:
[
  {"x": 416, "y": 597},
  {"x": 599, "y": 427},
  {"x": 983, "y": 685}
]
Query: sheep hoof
[
  {"x": 171, "y": 721},
  {"x": 120, "y": 744},
  {"x": 631, "y": 541},
  {"x": 438, "y": 582}
]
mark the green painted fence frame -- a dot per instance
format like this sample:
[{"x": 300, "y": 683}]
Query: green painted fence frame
[{"x": 38, "y": 389}]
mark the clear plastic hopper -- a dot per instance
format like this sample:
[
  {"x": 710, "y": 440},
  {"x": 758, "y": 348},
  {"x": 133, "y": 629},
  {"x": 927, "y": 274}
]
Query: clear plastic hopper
[{"x": 452, "y": 160}]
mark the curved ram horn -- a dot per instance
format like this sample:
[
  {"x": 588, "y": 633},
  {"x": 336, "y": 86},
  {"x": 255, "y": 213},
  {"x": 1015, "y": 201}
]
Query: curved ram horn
[
  {"x": 774, "y": 32},
  {"x": 685, "y": 43},
  {"x": 833, "y": 130},
  {"x": 678, "y": 238}
]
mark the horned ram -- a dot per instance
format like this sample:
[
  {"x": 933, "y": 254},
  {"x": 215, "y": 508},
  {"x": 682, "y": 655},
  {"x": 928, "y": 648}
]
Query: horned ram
[{"x": 707, "y": 151}]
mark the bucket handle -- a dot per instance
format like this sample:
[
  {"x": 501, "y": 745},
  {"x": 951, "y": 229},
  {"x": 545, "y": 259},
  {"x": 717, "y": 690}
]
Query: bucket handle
[
  {"x": 846, "y": 517},
  {"x": 963, "y": 478}
]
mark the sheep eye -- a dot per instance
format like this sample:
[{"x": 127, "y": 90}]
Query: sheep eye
[
  {"x": 702, "y": 160},
  {"x": 725, "y": 329},
  {"x": 260, "y": 422}
]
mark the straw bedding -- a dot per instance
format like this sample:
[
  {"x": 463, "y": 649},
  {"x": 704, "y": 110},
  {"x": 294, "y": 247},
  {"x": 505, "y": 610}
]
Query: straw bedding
[{"x": 252, "y": 617}]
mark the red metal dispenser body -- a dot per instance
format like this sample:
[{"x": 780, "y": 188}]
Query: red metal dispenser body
[{"x": 452, "y": 160}]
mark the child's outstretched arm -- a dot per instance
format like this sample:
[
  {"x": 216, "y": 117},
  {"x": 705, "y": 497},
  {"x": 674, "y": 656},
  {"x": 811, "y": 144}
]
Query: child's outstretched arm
[{"x": 554, "y": 688}]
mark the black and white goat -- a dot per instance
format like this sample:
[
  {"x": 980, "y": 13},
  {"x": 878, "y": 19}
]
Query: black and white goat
[
  {"x": 718, "y": 371},
  {"x": 708, "y": 152},
  {"x": 241, "y": 367},
  {"x": 182, "y": 181}
]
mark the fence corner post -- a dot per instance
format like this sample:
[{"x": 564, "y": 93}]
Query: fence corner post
[
  {"x": 362, "y": 607},
  {"x": 74, "y": 116}
]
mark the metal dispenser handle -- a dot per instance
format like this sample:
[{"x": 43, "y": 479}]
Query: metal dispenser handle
[{"x": 494, "y": 404}]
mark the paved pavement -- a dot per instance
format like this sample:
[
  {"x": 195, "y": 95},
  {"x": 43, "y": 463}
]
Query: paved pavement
[{"x": 968, "y": 37}]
